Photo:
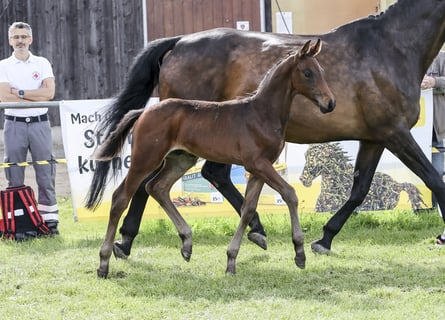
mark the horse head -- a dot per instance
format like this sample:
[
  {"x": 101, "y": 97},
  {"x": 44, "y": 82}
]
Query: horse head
[{"x": 308, "y": 79}]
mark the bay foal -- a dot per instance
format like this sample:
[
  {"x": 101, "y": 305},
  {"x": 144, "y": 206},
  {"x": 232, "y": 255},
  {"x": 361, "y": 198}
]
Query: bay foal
[{"x": 249, "y": 132}]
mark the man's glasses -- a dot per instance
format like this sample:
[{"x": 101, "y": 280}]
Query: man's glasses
[{"x": 23, "y": 37}]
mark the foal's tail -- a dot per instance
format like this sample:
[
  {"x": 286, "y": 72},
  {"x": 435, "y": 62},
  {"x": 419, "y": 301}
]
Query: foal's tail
[
  {"x": 112, "y": 146},
  {"x": 142, "y": 79},
  {"x": 104, "y": 154}
]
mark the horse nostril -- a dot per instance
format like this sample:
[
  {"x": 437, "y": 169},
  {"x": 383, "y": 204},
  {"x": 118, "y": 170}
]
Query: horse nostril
[{"x": 332, "y": 104}]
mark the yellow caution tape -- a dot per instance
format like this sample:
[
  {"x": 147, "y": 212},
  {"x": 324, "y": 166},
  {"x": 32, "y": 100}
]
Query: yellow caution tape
[{"x": 31, "y": 163}]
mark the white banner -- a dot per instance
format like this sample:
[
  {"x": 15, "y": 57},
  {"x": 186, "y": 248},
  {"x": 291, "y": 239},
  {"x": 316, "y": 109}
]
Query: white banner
[
  {"x": 79, "y": 119},
  {"x": 397, "y": 187}
]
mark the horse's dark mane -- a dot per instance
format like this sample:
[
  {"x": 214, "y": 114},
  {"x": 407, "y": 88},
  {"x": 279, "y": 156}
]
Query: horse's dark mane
[
  {"x": 377, "y": 17},
  {"x": 384, "y": 12}
]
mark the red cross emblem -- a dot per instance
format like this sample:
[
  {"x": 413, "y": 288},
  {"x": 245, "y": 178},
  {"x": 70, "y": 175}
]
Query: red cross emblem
[{"x": 35, "y": 75}]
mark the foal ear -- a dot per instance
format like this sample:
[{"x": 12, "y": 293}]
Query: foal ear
[
  {"x": 304, "y": 50},
  {"x": 315, "y": 49}
]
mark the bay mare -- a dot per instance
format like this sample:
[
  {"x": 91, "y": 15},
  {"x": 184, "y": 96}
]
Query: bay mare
[
  {"x": 248, "y": 132},
  {"x": 374, "y": 67}
]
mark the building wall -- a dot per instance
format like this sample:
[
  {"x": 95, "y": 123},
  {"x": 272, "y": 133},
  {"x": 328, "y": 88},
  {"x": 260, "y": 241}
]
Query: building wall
[
  {"x": 167, "y": 18},
  {"x": 90, "y": 44},
  {"x": 320, "y": 16}
]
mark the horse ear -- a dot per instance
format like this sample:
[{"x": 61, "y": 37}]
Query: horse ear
[
  {"x": 304, "y": 50},
  {"x": 315, "y": 49}
]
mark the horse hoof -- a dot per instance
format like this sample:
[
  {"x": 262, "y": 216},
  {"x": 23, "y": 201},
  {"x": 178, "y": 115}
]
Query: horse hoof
[
  {"x": 259, "y": 239},
  {"x": 318, "y": 248},
  {"x": 230, "y": 270},
  {"x": 102, "y": 274},
  {"x": 119, "y": 251},
  {"x": 186, "y": 255}
]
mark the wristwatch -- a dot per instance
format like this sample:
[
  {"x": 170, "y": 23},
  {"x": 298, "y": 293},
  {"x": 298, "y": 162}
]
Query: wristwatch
[{"x": 21, "y": 94}]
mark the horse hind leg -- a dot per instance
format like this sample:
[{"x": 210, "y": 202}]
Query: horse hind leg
[
  {"x": 159, "y": 188},
  {"x": 248, "y": 209}
]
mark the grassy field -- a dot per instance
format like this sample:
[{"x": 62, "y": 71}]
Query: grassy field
[{"x": 385, "y": 266}]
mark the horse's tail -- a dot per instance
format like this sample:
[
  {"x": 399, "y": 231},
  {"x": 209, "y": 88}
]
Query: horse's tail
[
  {"x": 142, "y": 79},
  {"x": 104, "y": 155},
  {"x": 414, "y": 195}
]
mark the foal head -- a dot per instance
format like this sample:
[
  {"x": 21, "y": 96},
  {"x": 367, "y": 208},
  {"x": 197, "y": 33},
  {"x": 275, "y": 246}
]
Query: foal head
[{"x": 308, "y": 79}]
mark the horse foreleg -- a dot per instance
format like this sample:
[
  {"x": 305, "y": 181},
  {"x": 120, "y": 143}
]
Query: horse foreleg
[
  {"x": 219, "y": 175},
  {"x": 365, "y": 165},
  {"x": 248, "y": 209},
  {"x": 118, "y": 205},
  {"x": 159, "y": 188}
]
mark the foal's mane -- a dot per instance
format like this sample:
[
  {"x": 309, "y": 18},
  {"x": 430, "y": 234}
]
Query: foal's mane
[{"x": 265, "y": 76}]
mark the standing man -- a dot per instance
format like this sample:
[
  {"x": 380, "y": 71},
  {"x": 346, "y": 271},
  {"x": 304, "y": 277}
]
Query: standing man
[
  {"x": 26, "y": 77},
  {"x": 435, "y": 79}
]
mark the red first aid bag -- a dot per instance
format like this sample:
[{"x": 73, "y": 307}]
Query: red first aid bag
[{"x": 20, "y": 218}]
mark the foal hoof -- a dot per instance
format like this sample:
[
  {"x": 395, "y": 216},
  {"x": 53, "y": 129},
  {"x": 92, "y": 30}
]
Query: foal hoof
[
  {"x": 231, "y": 270},
  {"x": 259, "y": 239},
  {"x": 318, "y": 248},
  {"x": 300, "y": 261},
  {"x": 119, "y": 251}
]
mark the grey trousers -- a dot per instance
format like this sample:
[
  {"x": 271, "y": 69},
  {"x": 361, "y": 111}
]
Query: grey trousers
[{"x": 36, "y": 137}]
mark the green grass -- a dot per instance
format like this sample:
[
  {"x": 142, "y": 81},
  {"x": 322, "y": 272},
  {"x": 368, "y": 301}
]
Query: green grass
[{"x": 385, "y": 266}]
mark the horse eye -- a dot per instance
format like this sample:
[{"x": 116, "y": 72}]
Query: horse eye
[{"x": 307, "y": 73}]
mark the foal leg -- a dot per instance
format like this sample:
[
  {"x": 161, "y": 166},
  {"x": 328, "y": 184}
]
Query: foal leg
[
  {"x": 269, "y": 175},
  {"x": 219, "y": 175},
  {"x": 132, "y": 221},
  {"x": 159, "y": 188},
  {"x": 365, "y": 165},
  {"x": 119, "y": 203},
  {"x": 248, "y": 209},
  {"x": 176, "y": 164}
]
